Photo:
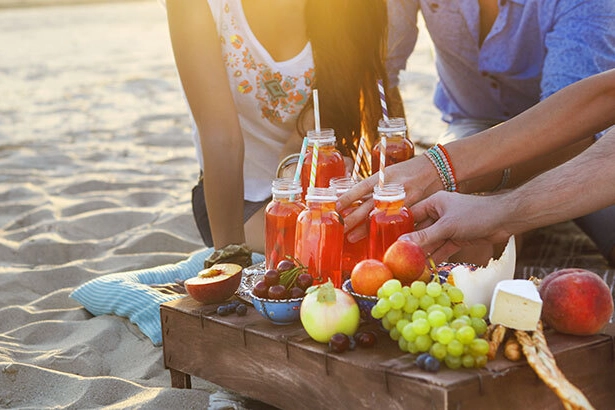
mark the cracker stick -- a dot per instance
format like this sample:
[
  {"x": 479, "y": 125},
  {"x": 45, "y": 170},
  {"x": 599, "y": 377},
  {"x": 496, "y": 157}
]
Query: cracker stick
[
  {"x": 495, "y": 336},
  {"x": 540, "y": 358}
]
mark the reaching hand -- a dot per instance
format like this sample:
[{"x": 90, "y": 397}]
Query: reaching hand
[
  {"x": 418, "y": 177},
  {"x": 447, "y": 221}
]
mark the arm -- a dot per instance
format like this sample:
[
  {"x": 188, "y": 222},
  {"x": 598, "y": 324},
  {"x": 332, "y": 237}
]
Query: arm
[
  {"x": 580, "y": 109},
  {"x": 402, "y": 36},
  {"x": 452, "y": 220},
  {"x": 196, "y": 48}
]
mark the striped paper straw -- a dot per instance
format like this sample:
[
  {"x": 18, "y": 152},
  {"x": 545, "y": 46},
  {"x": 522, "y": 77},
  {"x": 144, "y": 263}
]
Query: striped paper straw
[
  {"x": 383, "y": 100},
  {"x": 357, "y": 161},
  {"x": 316, "y": 110},
  {"x": 314, "y": 164},
  {"x": 301, "y": 159},
  {"x": 383, "y": 151}
]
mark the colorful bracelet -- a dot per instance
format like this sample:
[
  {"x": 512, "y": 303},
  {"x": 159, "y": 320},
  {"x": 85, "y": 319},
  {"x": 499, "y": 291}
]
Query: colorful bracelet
[
  {"x": 431, "y": 156},
  {"x": 441, "y": 160}
]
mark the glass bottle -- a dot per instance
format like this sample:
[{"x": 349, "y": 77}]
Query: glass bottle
[
  {"x": 330, "y": 162},
  {"x": 353, "y": 252},
  {"x": 281, "y": 220},
  {"x": 319, "y": 238},
  {"x": 389, "y": 219},
  {"x": 398, "y": 146}
]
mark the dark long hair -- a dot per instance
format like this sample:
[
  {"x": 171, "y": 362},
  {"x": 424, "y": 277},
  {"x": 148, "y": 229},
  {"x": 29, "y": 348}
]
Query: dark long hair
[{"x": 348, "y": 39}]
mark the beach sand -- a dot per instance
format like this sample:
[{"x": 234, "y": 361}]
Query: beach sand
[{"x": 97, "y": 167}]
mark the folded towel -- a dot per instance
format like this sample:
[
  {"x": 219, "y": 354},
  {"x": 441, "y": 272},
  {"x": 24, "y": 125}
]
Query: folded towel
[{"x": 130, "y": 294}]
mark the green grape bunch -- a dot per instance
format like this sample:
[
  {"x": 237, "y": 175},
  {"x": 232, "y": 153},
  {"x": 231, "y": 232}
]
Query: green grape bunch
[{"x": 433, "y": 318}]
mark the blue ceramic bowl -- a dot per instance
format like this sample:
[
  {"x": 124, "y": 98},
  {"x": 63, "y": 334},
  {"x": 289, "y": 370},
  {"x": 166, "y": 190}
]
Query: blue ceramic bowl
[
  {"x": 280, "y": 312},
  {"x": 366, "y": 303}
]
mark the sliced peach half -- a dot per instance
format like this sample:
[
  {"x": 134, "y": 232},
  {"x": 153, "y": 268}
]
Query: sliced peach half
[{"x": 215, "y": 284}]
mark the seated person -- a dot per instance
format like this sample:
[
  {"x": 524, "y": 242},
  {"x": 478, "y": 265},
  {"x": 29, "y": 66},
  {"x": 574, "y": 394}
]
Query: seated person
[
  {"x": 495, "y": 59},
  {"x": 248, "y": 68}
]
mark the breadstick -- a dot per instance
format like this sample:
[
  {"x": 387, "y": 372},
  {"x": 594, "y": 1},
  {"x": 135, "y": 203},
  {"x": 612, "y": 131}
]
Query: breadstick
[
  {"x": 495, "y": 338},
  {"x": 540, "y": 358},
  {"x": 512, "y": 349}
]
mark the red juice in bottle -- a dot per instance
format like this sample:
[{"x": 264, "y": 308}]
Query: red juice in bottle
[
  {"x": 281, "y": 220},
  {"x": 330, "y": 162},
  {"x": 388, "y": 220},
  {"x": 398, "y": 147},
  {"x": 353, "y": 252},
  {"x": 319, "y": 238}
]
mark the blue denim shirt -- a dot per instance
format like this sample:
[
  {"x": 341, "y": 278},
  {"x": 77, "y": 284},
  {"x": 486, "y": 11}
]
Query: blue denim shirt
[{"x": 534, "y": 48}]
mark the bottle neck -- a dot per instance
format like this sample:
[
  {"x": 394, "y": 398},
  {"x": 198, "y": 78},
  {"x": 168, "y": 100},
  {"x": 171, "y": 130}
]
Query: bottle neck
[
  {"x": 322, "y": 205},
  {"x": 393, "y": 128},
  {"x": 388, "y": 204},
  {"x": 393, "y": 136},
  {"x": 285, "y": 189},
  {"x": 286, "y": 197}
]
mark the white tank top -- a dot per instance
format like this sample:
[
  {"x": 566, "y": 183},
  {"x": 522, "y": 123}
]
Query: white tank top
[{"x": 268, "y": 94}]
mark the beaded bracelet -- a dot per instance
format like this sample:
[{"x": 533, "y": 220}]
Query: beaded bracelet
[{"x": 442, "y": 162}]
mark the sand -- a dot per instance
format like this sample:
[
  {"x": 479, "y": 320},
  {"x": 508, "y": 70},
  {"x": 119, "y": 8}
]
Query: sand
[{"x": 96, "y": 170}]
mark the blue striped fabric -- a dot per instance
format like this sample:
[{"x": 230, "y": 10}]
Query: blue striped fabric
[{"x": 129, "y": 295}]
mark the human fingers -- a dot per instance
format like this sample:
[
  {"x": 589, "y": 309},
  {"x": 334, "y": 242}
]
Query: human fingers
[
  {"x": 358, "y": 216},
  {"x": 360, "y": 190},
  {"x": 429, "y": 210},
  {"x": 358, "y": 233},
  {"x": 424, "y": 239},
  {"x": 444, "y": 252}
]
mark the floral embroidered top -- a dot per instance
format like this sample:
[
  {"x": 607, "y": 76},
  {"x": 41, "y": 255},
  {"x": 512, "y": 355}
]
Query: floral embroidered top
[{"x": 268, "y": 94}]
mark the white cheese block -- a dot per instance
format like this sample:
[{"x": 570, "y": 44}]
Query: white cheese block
[
  {"x": 516, "y": 304},
  {"x": 478, "y": 285}
]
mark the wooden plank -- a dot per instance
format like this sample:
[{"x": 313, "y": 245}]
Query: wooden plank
[{"x": 282, "y": 366}]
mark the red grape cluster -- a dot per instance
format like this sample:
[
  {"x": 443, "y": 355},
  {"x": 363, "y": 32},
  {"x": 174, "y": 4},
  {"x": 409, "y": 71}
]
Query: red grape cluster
[{"x": 287, "y": 281}]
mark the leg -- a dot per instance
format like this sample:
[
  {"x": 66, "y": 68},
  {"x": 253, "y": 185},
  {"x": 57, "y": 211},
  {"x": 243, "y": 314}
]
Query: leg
[
  {"x": 180, "y": 380},
  {"x": 255, "y": 231},
  {"x": 600, "y": 227},
  {"x": 199, "y": 211}
]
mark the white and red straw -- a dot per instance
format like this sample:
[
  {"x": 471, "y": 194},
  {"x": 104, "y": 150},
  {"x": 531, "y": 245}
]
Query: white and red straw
[
  {"x": 361, "y": 149},
  {"x": 383, "y": 100},
  {"x": 383, "y": 144},
  {"x": 315, "y": 146}
]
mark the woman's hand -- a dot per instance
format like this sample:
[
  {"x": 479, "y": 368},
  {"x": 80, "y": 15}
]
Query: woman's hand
[{"x": 417, "y": 175}]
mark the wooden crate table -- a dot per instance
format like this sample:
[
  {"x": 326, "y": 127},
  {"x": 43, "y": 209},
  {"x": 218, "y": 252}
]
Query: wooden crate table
[{"x": 282, "y": 366}]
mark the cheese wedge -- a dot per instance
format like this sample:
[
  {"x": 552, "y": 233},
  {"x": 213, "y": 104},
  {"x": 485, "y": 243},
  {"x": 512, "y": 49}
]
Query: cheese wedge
[
  {"x": 516, "y": 304},
  {"x": 478, "y": 285}
]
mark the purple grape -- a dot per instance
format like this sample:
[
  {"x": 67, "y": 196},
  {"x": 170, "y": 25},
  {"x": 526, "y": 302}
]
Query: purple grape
[
  {"x": 296, "y": 292},
  {"x": 277, "y": 292},
  {"x": 339, "y": 343},
  {"x": 432, "y": 364},
  {"x": 261, "y": 290},
  {"x": 420, "y": 360},
  {"x": 304, "y": 281},
  {"x": 241, "y": 310},
  {"x": 284, "y": 265},
  {"x": 366, "y": 339},
  {"x": 272, "y": 277}
]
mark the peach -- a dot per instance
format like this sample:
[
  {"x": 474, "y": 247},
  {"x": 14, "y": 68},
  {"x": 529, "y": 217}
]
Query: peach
[
  {"x": 214, "y": 284},
  {"x": 406, "y": 260},
  {"x": 576, "y": 302},
  {"x": 555, "y": 274},
  {"x": 368, "y": 275}
]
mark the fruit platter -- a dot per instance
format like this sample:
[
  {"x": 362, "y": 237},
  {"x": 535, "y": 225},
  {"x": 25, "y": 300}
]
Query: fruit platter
[{"x": 447, "y": 336}]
